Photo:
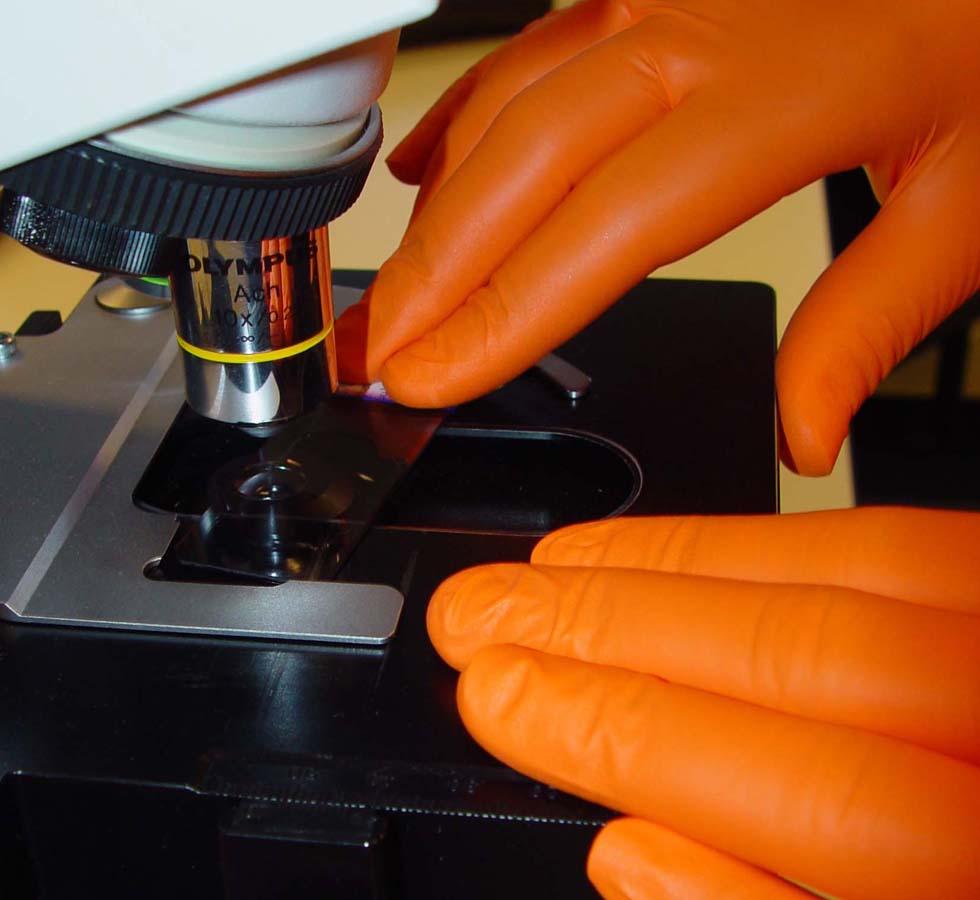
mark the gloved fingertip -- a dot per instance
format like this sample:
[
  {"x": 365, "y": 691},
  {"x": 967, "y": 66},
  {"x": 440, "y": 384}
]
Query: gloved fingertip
[
  {"x": 465, "y": 608},
  {"x": 548, "y": 547},
  {"x": 350, "y": 333},
  {"x": 403, "y": 388},
  {"x": 634, "y": 858},
  {"x": 783, "y": 448},
  {"x": 490, "y": 693},
  {"x": 613, "y": 851},
  {"x": 806, "y": 450},
  {"x": 405, "y": 164},
  {"x": 574, "y": 545},
  {"x": 411, "y": 158},
  {"x": 422, "y": 384},
  {"x": 813, "y": 418},
  {"x": 608, "y": 888}
]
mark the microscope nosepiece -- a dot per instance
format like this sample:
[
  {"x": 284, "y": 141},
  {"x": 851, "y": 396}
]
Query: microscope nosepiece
[{"x": 246, "y": 253}]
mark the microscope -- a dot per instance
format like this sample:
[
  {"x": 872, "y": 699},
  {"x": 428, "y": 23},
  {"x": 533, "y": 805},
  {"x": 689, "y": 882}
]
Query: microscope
[
  {"x": 220, "y": 208},
  {"x": 215, "y": 678}
]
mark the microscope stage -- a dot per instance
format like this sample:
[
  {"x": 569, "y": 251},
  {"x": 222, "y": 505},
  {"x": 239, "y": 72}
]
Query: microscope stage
[{"x": 330, "y": 753}]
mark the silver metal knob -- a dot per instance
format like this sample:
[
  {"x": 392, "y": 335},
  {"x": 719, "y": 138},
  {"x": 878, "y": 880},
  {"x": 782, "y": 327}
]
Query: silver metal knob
[{"x": 8, "y": 345}]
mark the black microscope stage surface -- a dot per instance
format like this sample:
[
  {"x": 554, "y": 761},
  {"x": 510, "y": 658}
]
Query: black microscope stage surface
[{"x": 147, "y": 765}]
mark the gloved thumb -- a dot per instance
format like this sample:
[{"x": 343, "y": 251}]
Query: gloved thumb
[
  {"x": 632, "y": 859},
  {"x": 907, "y": 271}
]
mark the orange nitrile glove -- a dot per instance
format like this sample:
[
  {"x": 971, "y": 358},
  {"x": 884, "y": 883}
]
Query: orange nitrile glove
[
  {"x": 613, "y": 137},
  {"x": 776, "y": 694}
]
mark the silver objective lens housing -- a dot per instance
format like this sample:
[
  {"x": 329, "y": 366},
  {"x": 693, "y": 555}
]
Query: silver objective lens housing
[{"x": 255, "y": 326}]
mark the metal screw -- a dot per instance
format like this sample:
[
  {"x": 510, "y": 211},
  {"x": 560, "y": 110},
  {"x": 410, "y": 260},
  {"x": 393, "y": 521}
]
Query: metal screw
[{"x": 8, "y": 345}]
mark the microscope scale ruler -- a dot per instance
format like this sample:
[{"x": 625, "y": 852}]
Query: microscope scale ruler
[
  {"x": 397, "y": 786},
  {"x": 92, "y": 402}
]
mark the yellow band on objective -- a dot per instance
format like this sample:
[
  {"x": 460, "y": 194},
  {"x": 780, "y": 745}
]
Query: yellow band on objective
[{"x": 263, "y": 356}]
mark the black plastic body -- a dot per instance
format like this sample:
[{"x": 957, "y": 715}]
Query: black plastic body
[
  {"x": 150, "y": 766},
  {"x": 108, "y": 211}
]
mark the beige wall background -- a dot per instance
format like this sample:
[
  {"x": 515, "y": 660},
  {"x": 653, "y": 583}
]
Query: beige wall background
[{"x": 786, "y": 247}]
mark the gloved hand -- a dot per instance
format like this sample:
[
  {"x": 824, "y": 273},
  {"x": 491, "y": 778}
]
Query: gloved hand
[
  {"x": 796, "y": 695},
  {"x": 618, "y": 135}
]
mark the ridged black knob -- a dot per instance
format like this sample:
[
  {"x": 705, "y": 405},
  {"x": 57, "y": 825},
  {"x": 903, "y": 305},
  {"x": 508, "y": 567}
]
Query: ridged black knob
[{"x": 111, "y": 212}]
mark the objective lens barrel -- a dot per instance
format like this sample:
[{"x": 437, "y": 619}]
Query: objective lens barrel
[{"x": 255, "y": 326}]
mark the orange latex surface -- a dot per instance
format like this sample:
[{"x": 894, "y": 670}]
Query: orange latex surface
[
  {"x": 751, "y": 686},
  {"x": 637, "y": 860},
  {"x": 613, "y": 137}
]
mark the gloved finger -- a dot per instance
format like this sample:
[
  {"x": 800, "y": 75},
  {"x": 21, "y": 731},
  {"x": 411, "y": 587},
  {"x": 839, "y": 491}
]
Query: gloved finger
[
  {"x": 844, "y": 811},
  {"x": 407, "y": 162},
  {"x": 533, "y": 156},
  {"x": 919, "y": 555},
  {"x": 898, "y": 280},
  {"x": 410, "y": 158},
  {"x": 691, "y": 177},
  {"x": 632, "y": 859},
  {"x": 827, "y": 653},
  {"x": 521, "y": 62}
]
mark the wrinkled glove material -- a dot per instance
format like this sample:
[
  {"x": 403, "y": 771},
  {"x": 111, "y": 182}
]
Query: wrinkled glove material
[
  {"x": 796, "y": 695},
  {"x": 612, "y": 137}
]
